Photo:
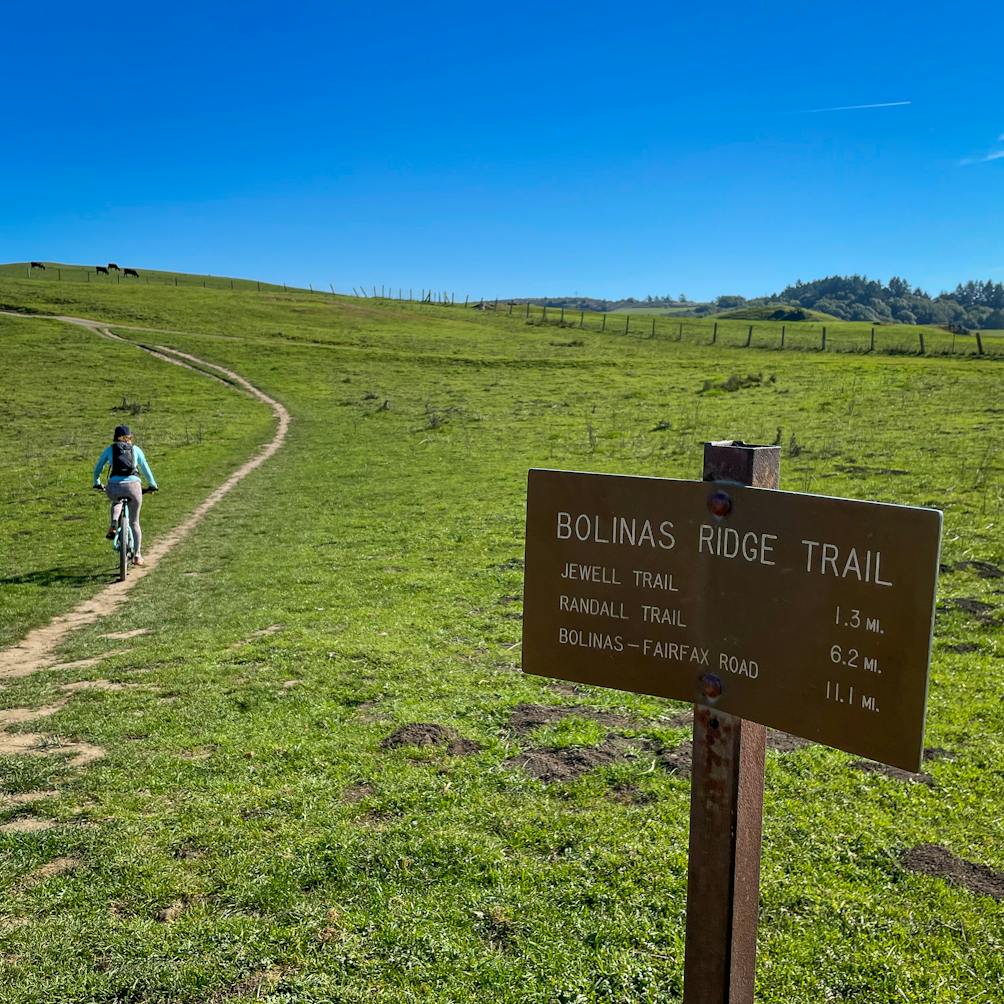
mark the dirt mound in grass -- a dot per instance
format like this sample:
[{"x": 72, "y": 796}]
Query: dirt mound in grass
[
  {"x": 784, "y": 742},
  {"x": 679, "y": 760},
  {"x": 525, "y": 718},
  {"x": 630, "y": 794},
  {"x": 430, "y": 734},
  {"x": 984, "y": 569},
  {"x": 169, "y": 914},
  {"x": 940, "y": 862},
  {"x": 26, "y": 798},
  {"x": 28, "y": 824},
  {"x": 255, "y": 986},
  {"x": 357, "y": 792},
  {"x": 57, "y": 866},
  {"x": 36, "y": 744},
  {"x": 556, "y": 765},
  {"x": 551, "y": 765},
  {"x": 980, "y": 611}
]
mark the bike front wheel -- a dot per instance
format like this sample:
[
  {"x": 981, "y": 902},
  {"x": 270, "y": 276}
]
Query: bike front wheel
[{"x": 124, "y": 543}]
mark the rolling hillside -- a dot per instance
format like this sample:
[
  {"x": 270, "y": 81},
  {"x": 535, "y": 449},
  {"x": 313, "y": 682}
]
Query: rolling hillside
[{"x": 301, "y": 763}]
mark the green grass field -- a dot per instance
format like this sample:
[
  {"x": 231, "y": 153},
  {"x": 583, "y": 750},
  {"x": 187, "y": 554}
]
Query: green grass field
[{"x": 251, "y": 835}]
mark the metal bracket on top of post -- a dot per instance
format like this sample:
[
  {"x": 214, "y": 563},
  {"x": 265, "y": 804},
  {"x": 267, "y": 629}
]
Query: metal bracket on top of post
[{"x": 726, "y": 800}]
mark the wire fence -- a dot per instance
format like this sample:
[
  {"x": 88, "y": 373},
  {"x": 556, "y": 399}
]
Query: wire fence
[{"x": 840, "y": 336}]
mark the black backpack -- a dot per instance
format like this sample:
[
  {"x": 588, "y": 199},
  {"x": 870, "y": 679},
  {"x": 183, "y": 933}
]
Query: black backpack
[{"x": 123, "y": 460}]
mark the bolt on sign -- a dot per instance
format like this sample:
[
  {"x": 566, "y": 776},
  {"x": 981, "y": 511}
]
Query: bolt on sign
[{"x": 805, "y": 613}]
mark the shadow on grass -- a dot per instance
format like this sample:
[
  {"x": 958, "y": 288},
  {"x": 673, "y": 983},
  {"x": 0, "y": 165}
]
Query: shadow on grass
[{"x": 55, "y": 576}]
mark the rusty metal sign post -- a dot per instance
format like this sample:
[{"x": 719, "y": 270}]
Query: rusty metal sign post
[
  {"x": 726, "y": 806},
  {"x": 806, "y": 613}
]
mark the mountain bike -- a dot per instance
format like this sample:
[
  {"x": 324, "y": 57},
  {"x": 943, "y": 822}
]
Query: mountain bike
[{"x": 123, "y": 541}]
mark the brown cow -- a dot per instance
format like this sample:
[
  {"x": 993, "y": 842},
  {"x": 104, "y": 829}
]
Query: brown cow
[
  {"x": 112, "y": 264},
  {"x": 100, "y": 270},
  {"x": 130, "y": 271},
  {"x": 38, "y": 264}
]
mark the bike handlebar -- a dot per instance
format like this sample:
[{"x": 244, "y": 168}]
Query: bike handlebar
[{"x": 145, "y": 491}]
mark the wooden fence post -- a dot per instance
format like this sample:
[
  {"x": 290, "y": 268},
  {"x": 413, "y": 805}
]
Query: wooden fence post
[
  {"x": 920, "y": 335},
  {"x": 783, "y": 329},
  {"x": 871, "y": 346},
  {"x": 603, "y": 326},
  {"x": 726, "y": 805},
  {"x": 749, "y": 337},
  {"x": 714, "y": 333},
  {"x": 653, "y": 328},
  {"x": 979, "y": 343},
  {"x": 582, "y": 318},
  {"x": 822, "y": 347},
  {"x": 627, "y": 323}
]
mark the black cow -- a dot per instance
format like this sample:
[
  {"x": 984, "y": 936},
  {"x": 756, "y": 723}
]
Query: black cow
[
  {"x": 130, "y": 271},
  {"x": 38, "y": 264},
  {"x": 112, "y": 264},
  {"x": 100, "y": 270}
]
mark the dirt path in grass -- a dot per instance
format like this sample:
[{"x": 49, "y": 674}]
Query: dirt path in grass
[{"x": 35, "y": 651}]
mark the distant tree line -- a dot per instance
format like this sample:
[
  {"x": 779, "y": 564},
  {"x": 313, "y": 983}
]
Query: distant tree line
[
  {"x": 856, "y": 298},
  {"x": 971, "y": 305}
]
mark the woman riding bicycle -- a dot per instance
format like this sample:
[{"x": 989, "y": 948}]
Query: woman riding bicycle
[{"x": 127, "y": 462}]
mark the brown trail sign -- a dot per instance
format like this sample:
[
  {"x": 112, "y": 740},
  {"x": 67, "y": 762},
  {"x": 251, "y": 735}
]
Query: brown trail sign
[{"x": 806, "y": 613}]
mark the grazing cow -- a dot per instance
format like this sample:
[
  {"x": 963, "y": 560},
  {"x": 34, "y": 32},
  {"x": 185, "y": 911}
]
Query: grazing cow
[
  {"x": 130, "y": 271},
  {"x": 100, "y": 270},
  {"x": 112, "y": 264},
  {"x": 38, "y": 264}
]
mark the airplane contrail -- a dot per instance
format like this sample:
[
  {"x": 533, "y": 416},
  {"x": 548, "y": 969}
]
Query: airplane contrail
[
  {"x": 996, "y": 155},
  {"x": 854, "y": 108}
]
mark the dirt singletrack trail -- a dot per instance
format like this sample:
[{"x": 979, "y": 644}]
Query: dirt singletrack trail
[{"x": 35, "y": 651}]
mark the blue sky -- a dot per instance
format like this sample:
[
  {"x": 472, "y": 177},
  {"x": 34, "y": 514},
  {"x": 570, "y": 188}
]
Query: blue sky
[{"x": 519, "y": 149}]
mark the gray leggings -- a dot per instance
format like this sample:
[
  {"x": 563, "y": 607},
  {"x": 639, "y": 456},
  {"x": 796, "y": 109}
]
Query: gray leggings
[{"x": 127, "y": 490}]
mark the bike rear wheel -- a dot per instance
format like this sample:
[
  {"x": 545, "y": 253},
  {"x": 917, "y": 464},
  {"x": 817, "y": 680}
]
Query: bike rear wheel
[{"x": 124, "y": 542}]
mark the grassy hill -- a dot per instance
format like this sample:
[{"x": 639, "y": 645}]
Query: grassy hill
[
  {"x": 776, "y": 312},
  {"x": 315, "y": 781},
  {"x": 87, "y": 274}
]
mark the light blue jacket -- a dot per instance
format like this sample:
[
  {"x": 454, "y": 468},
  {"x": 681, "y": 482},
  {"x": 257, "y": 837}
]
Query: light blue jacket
[{"x": 138, "y": 455}]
